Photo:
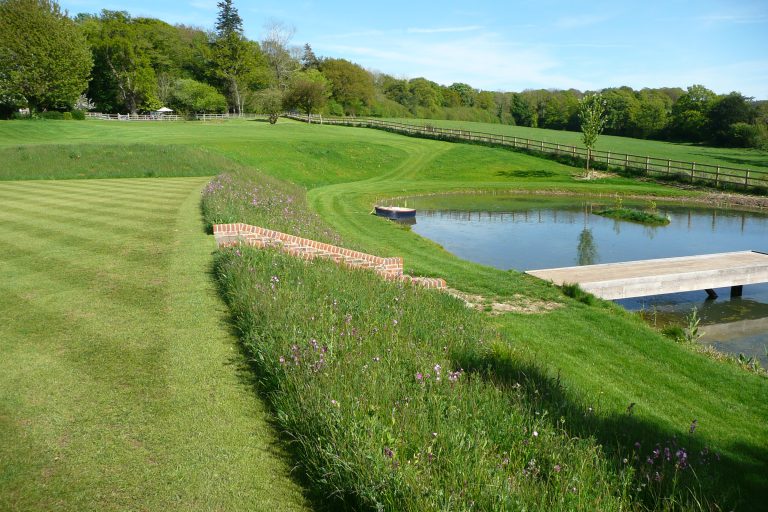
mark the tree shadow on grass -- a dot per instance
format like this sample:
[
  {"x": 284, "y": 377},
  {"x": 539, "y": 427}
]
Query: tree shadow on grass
[
  {"x": 729, "y": 481},
  {"x": 748, "y": 163},
  {"x": 526, "y": 174}
]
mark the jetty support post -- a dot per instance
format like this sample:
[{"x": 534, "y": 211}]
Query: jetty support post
[
  {"x": 737, "y": 290},
  {"x": 711, "y": 294}
]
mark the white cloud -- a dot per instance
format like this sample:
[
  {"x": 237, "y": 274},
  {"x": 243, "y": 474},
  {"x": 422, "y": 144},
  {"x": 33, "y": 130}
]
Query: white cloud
[
  {"x": 485, "y": 61},
  {"x": 362, "y": 33},
  {"x": 443, "y": 30},
  {"x": 738, "y": 19},
  {"x": 203, "y": 4},
  {"x": 584, "y": 20}
]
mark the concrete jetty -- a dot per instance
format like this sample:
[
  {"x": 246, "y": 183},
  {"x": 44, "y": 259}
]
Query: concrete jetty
[{"x": 665, "y": 275}]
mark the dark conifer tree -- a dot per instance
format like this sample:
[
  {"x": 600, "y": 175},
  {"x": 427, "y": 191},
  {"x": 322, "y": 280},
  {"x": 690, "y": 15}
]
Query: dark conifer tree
[{"x": 229, "y": 21}]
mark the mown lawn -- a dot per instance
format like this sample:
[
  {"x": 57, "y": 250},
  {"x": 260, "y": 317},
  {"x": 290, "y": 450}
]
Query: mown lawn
[{"x": 121, "y": 386}]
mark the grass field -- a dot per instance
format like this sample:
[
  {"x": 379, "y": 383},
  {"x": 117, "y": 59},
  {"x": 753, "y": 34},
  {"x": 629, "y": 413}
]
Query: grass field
[
  {"x": 684, "y": 152},
  {"x": 604, "y": 356},
  {"x": 121, "y": 387}
]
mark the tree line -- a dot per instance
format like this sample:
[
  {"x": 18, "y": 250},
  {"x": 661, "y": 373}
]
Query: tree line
[{"x": 116, "y": 63}]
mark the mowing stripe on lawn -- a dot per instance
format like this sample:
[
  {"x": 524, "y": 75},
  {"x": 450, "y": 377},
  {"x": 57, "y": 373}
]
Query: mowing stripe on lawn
[{"x": 120, "y": 385}]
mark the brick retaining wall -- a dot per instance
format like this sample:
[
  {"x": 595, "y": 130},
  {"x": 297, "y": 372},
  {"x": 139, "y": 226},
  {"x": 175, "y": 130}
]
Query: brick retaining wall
[{"x": 389, "y": 268}]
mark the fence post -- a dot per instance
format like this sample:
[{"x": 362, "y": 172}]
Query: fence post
[
  {"x": 626, "y": 163},
  {"x": 647, "y": 163},
  {"x": 746, "y": 179},
  {"x": 669, "y": 167},
  {"x": 693, "y": 169},
  {"x": 717, "y": 175},
  {"x": 607, "y": 160}
]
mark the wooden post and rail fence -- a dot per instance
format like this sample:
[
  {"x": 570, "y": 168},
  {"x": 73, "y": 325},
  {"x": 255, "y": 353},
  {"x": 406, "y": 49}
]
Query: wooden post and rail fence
[
  {"x": 691, "y": 172},
  {"x": 172, "y": 117}
]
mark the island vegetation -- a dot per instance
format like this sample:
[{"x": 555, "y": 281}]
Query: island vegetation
[{"x": 649, "y": 216}]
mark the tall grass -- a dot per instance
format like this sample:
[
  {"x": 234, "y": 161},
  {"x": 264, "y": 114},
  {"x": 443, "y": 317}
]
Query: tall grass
[
  {"x": 83, "y": 161},
  {"x": 263, "y": 201},
  {"x": 364, "y": 375},
  {"x": 398, "y": 398}
]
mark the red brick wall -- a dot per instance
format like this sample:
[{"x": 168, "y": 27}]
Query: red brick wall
[{"x": 389, "y": 268}]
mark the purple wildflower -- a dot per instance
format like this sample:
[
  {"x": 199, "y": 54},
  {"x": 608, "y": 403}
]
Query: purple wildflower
[
  {"x": 419, "y": 376},
  {"x": 557, "y": 468}
]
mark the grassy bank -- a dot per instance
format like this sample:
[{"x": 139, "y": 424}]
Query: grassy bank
[
  {"x": 347, "y": 360},
  {"x": 120, "y": 385}
]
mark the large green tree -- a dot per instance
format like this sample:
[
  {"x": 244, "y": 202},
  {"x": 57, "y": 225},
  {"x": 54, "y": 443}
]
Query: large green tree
[
  {"x": 690, "y": 114},
  {"x": 190, "y": 96},
  {"x": 45, "y": 62},
  {"x": 124, "y": 78},
  {"x": 352, "y": 86},
  {"x": 237, "y": 62},
  {"x": 307, "y": 91},
  {"x": 726, "y": 111}
]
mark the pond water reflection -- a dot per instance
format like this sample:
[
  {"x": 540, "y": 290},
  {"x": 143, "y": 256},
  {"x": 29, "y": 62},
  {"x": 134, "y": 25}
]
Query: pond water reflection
[{"x": 535, "y": 232}]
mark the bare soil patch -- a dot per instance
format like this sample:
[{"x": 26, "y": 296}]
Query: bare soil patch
[{"x": 518, "y": 304}]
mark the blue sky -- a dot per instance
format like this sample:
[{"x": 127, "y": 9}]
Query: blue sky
[{"x": 515, "y": 44}]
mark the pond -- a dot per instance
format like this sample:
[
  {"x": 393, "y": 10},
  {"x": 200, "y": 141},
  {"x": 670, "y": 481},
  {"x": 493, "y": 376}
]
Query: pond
[{"x": 535, "y": 232}]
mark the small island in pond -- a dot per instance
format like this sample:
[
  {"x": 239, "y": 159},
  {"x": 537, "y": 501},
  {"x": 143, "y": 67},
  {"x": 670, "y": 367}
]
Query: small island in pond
[{"x": 632, "y": 215}]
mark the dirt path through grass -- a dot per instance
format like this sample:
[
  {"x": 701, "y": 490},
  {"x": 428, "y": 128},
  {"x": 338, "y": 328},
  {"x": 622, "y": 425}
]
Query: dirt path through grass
[{"x": 121, "y": 387}]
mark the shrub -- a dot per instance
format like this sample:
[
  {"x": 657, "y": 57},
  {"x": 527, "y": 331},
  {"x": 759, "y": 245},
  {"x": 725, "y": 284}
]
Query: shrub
[
  {"x": 51, "y": 114},
  {"x": 67, "y": 116},
  {"x": 78, "y": 115},
  {"x": 745, "y": 135}
]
